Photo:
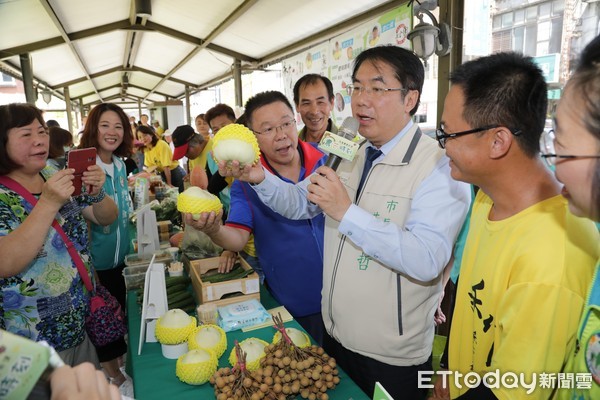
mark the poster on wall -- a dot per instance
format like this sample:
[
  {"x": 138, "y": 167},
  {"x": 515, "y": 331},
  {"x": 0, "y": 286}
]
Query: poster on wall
[
  {"x": 312, "y": 61},
  {"x": 334, "y": 58},
  {"x": 390, "y": 28}
]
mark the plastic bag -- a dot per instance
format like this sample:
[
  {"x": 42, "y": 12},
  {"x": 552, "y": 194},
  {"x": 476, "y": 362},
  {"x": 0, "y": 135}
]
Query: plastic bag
[{"x": 197, "y": 245}]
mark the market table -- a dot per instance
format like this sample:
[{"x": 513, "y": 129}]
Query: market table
[{"x": 154, "y": 376}]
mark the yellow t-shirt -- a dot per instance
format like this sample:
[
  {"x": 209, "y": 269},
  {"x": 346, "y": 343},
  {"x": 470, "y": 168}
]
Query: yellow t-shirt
[
  {"x": 521, "y": 289},
  {"x": 160, "y": 156},
  {"x": 249, "y": 247}
]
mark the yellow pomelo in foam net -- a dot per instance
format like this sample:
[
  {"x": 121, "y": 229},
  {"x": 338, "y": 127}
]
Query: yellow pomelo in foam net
[
  {"x": 196, "y": 366},
  {"x": 174, "y": 327},
  {"x": 255, "y": 351},
  {"x": 208, "y": 337},
  {"x": 195, "y": 201},
  {"x": 236, "y": 142},
  {"x": 299, "y": 338}
]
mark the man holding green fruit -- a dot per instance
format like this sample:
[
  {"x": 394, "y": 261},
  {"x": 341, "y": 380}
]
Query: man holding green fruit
[{"x": 290, "y": 251}]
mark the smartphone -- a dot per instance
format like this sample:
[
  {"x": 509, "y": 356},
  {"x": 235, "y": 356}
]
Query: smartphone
[{"x": 80, "y": 160}]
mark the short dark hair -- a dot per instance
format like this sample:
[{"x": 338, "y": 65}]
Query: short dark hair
[
  {"x": 59, "y": 138},
  {"x": 312, "y": 79},
  {"x": 148, "y": 131},
  {"x": 202, "y": 116},
  {"x": 89, "y": 138},
  {"x": 407, "y": 67},
  {"x": 15, "y": 115},
  {"x": 505, "y": 89},
  {"x": 52, "y": 122},
  {"x": 196, "y": 140},
  {"x": 262, "y": 99},
  {"x": 585, "y": 84},
  {"x": 219, "y": 109}
]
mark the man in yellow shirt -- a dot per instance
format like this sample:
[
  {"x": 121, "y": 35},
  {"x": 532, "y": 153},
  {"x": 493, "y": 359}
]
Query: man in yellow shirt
[{"x": 527, "y": 260}]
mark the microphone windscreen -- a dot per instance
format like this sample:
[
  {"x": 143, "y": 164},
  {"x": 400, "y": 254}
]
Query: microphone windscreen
[{"x": 349, "y": 128}]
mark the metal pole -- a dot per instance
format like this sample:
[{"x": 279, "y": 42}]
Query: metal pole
[
  {"x": 451, "y": 12},
  {"x": 27, "y": 72},
  {"x": 237, "y": 80},
  {"x": 188, "y": 114},
  {"x": 69, "y": 109}
]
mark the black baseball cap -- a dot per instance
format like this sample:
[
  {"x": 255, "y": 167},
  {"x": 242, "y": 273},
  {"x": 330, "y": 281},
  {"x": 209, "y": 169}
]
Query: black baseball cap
[{"x": 181, "y": 137}]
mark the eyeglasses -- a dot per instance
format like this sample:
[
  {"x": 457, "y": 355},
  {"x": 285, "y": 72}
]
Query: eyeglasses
[
  {"x": 355, "y": 90},
  {"x": 442, "y": 136},
  {"x": 283, "y": 127},
  {"x": 548, "y": 151}
]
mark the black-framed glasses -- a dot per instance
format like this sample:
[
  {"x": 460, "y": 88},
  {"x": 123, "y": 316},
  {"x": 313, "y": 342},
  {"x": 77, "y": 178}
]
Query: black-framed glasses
[
  {"x": 442, "y": 136},
  {"x": 355, "y": 90},
  {"x": 548, "y": 150},
  {"x": 283, "y": 127}
]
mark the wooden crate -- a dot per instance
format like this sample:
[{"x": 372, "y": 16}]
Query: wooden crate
[{"x": 213, "y": 292}]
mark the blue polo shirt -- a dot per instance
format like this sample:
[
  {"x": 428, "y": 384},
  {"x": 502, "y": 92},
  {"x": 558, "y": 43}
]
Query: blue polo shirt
[{"x": 290, "y": 251}]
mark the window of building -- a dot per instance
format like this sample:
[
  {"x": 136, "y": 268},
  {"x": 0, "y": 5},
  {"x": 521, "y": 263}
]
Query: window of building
[
  {"x": 497, "y": 22},
  {"x": 519, "y": 16},
  {"x": 507, "y": 20},
  {"x": 519, "y": 39},
  {"x": 558, "y": 7},
  {"x": 530, "y": 41},
  {"x": 545, "y": 10},
  {"x": 7, "y": 80},
  {"x": 531, "y": 13}
]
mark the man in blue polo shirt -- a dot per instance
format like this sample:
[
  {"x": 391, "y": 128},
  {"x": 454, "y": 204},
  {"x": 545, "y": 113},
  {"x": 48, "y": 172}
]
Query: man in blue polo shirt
[{"x": 290, "y": 251}]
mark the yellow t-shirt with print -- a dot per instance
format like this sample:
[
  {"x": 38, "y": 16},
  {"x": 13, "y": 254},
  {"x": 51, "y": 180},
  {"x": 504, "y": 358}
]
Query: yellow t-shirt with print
[
  {"x": 160, "y": 156},
  {"x": 521, "y": 289}
]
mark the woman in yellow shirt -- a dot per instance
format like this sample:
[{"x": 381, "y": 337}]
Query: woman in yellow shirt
[{"x": 157, "y": 153}]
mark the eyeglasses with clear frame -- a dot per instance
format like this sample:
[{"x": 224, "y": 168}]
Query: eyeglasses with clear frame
[
  {"x": 442, "y": 136},
  {"x": 356, "y": 90},
  {"x": 283, "y": 127},
  {"x": 548, "y": 150}
]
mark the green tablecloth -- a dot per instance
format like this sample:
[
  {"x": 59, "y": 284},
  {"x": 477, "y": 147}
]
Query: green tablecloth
[{"x": 154, "y": 376}]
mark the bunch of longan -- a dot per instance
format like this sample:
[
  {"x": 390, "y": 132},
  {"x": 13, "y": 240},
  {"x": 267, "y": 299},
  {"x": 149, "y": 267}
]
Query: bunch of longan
[
  {"x": 238, "y": 383},
  {"x": 289, "y": 370}
]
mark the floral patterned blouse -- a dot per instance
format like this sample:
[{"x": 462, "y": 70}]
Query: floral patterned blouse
[{"x": 47, "y": 300}]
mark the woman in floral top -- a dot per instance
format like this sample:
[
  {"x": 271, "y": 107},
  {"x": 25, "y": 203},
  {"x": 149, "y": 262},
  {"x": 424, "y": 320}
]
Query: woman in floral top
[{"x": 42, "y": 296}]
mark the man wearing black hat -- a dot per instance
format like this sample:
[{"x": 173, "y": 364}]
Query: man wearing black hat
[{"x": 189, "y": 144}]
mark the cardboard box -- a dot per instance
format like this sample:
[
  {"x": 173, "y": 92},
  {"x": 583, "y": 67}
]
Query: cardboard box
[
  {"x": 164, "y": 226},
  {"x": 213, "y": 292}
]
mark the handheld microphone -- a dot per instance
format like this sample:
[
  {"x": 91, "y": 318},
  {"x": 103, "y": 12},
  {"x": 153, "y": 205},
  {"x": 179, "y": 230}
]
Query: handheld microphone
[{"x": 340, "y": 146}]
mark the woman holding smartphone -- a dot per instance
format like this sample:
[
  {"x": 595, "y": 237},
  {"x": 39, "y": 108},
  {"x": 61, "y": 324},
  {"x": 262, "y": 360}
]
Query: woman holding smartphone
[
  {"x": 108, "y": 130},
  {"x": 43, "y": 296}
]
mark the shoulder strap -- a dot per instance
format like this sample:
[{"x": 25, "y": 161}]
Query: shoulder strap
[
  {"x": 18, "y": 188},
  {"x": 412, "y": 146}
]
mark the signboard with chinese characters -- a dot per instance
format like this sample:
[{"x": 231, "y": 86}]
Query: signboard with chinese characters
[
  {"x": 334, "y": 58},
  {"x": 550, "y": 66}
]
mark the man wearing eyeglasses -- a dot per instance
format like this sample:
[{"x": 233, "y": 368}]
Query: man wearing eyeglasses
[
  {"x": 290, "y": 252},
  {"x": 314, "y": 98},
  {"x": 389, "y": 229},
  {"x": 527, "y": 260}
]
